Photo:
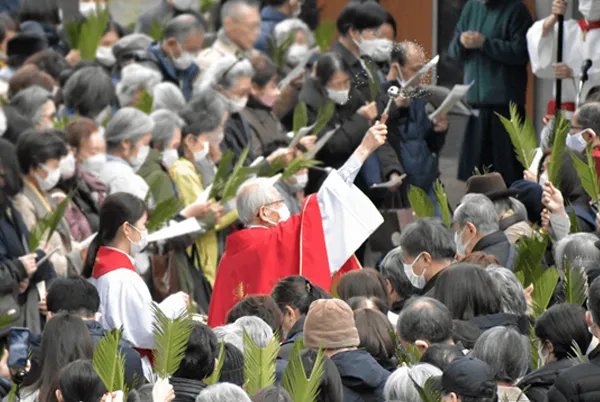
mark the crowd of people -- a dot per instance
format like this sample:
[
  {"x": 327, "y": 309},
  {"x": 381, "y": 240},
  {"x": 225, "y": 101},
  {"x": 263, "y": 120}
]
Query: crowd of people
[{"x": 167, "y": 174}]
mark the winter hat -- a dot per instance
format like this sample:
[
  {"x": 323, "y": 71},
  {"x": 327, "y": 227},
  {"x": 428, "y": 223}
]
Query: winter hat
[
  {"x": 232, "y": 370},
  {"x": 330, "y": 324}
]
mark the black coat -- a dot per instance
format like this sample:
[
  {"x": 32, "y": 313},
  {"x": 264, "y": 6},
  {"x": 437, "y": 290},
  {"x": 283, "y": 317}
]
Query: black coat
[
  {"x": 186, "y": 390},
  {"x": 537, "y": 384},
  {"x": 485, "y": 322},
  {"x": 497, "y": 244},
  {"x": 237, "y": 136},
  {"x": 362, "y": 377},
  {"x": 579, "y": 383},
  {"x": 296, "y": 331}
]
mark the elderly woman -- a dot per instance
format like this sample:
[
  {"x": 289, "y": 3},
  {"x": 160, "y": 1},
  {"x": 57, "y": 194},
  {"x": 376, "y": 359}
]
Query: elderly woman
[
  {"x": 39, "y": 154},
  {"x": 168, "y": 96},
  {"x": 223, "y": 392},
  {"x": 512, "y": 293},
  {"x": 35, "y": 104},
  {"x": 400, "y": 385},
  {"x": 135, "y": 79},
  {"x": 90, "y": 93},
  {"x": 508, "y": 353},
  {"x": 304, "y": 39},
  {"x": 125, "y": 49},
  {"x": 128, "y": 136}
]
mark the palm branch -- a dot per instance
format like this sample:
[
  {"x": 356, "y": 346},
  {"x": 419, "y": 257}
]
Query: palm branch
[
  {"x": 428, "y": 392},
  {"x": 237, "y": 177},
  {"x": 485, "y": 170},
  {"x": 278, "y": 51},
  {"x": 442, "y": 200},
  {"x": 409, "y": 355},
  {"x": 163, "y": 212},
  {"x": 72, "y": 30},
  {"x": 587, "y": 173},
  {"x": 171, "y": 337},
  {"x": 522, "y": 136},
  {"x": 216, "y": 374},
  {"x": 536, "y": 359},
  {"x": 109, "y": 362},
  {"x": 543, "y": 290},
  {"x": 575, "y": 284},
  {"x": 374, "y": 83},
  {"x": 578, "y": 355},
  {"x": 300, "y": 117},
  {"x": 420, "y": 203},
  {"x": 47, "y": 225},
  {"x": 297, "y": 165},
  {"x": 223, "y": 171},
  {"x": 295, "y": 381},
  {"x": 12, "y": 394},
  {"x": 63, "y": 121},
  {"x": 205, "y": 5},
  {"x": 145, "y": 102},
  {"x": 573, "y": 219},
  {"x": 156, "y": 30},
  {"x": 324, "y": 116},
  {"x": 91, "y": 32},
  {"x": 561, "y": 127},
  {"x": 259, "y": 364},
  {"x": 324, "y": 34}
]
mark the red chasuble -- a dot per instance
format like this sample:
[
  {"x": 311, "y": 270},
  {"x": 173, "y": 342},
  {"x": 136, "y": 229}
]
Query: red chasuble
[{"x": 257, "y": 258}]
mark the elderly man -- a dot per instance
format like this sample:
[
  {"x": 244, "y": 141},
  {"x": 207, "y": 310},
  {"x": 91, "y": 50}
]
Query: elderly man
[
  {"x": 176, "y": 54},
  {"x": 274, "y": 12},
  {"x": 316, "y": 243},
  {"x": 241, "y": 28},
  {"x": 585, "y": 131},
  {"x": 163, "y": 12},
  {"x": 477, "y": 229},
  {"x": 427, "y": 249}
]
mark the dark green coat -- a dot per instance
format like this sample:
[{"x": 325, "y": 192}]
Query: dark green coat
[
  {"x": 157, "y": 176},
  {"x": 499, "y": 69}
]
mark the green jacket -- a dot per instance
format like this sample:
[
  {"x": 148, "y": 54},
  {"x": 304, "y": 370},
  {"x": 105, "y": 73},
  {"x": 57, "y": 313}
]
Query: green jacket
[
  {"x": 499, "y": 69},
  {"x": 157, "y": 176}
]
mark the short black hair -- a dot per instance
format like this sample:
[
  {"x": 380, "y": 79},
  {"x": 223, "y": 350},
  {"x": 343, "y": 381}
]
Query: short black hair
[
  {"x": 73, "y": 295},
  {"x": 425, "y": 318},
  {"x": 232, "y": 370},
  {"x": 441, "y": 355},
  {"x": 428, "y": 235},
  {"x": 392, "y": 21},
  {"x": 392, "y": 269},
  {"x": 297, "y": 292},
  {"x": 363, "y": 282},
  {"x": 50, "y": 62},
  {"x": 327, "y": 65},
  {"x": 36, "y": 147},
  {"x": 200, "y": 354},
  {"x": 261, "y": 306},
  {"x": 42, "y": 11},
  {"x": 361, "y": 16},
  {"x": 562, "y": 324}
]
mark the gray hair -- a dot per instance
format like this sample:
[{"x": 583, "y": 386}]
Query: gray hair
[
  {"x": 400, "y": 387},
  {"x": 506, "y": 351},
  {"x": 165, "y": 124},
  {"x": 89, "y": 91},
  {"x": 504, "y": 205},
  {"x": 168, "y": 96},
  {"x": 511, "y": 290},
  {"x": 30, "y": 102},
  {"x": 253, "y": 195},
  {"x": 480, "y": 211},
  {"x": 230, "y": 334},
  {"x": 223, "y": 392},
  {"x": 205, "y": 111},
  {"x": 578, "y": 249},
  {"x": 233, "y": 8},
  {"x": 588, "y": 116},
  {"x": 285, "y": 28},
  {"x": 127, "y": 124},
  {"x": 429, "y": 235},
  {"x": 181, "y": 27},
  {"x": 133, "y": 78},
  {"x": 259, "y": 331},
  {"x": 225, "y": 73},
  {"x": 131, "y": 43}
]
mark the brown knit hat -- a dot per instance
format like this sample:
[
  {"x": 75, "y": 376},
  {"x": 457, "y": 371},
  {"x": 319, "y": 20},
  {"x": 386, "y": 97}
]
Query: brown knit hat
[{"x": 330, "y": 324}]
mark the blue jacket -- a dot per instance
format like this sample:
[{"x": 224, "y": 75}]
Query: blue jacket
[
  {"x": 183, "y": 79},
  {"x": 269, "y": 17},
  {"x": 362, "y": 377}
]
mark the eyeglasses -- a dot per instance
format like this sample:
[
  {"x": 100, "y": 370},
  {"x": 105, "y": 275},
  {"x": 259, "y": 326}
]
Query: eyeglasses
[{"x": 270, "y": 203}]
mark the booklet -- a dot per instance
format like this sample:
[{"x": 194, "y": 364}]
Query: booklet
[
  {"x": 295, "y": 73},
  {"x": 421, "y": 72},
  {"x": 457, "y": 93},
  {"x": 187, "y": 226},
  {"x": 301, "y": 133},
  {"x": 391, "y": 183}
]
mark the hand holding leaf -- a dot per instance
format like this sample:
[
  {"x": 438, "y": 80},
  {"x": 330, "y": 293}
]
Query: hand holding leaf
[{"x": 552, "y": 198}]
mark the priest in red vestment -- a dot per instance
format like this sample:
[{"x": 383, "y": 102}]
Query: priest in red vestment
[{"x": 317, "y": 243}]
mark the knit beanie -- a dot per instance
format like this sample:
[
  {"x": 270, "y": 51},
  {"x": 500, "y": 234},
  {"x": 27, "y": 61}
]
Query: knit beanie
[
  {"x": 330, "y": 324},
  {"x": 232, "y": 370}
]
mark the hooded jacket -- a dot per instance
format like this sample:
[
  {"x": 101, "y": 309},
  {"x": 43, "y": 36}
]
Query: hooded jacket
[
  {"x": 537, "y": 384},
  {"x": 362, "y": 377}
]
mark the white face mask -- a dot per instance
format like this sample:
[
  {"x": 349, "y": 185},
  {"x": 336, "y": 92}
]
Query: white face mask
[
  {"x": 576, "y": 141},
  {"x": 184, "y": 61},
  {"x": 339, "y": 97},
  {"x": 417, "y": 281},
  {"x": 182, "y": 5},
  {"x": 236, "y": 105},
  {"x": 137, "y": 248},
  {"x": 89, "y": 8},
  {"x": 169, "y": 157},
  {"x": 365, "y": 46},
  {"x": 3, "y": 123},
  {"x": 105, "y": 56},
  {"x": 296, "y": 53},
  {"x": 461, "y": 247},
  {"x": 67, "y": 167},
  {"x": 50, "y": 181},
  {"x": 378, "y": 49},
  {"x": 94, "y": 164},
  {"x": 590, "y": 9},
  {"x": 137, "y": 161},
  {"x": 284, "y": 214},
  {"x": 201, "y": 155}
]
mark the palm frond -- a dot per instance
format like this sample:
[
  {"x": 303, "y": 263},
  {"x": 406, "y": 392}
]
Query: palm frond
[
  {"x": 578, "y": 356},
  {"x": 163, "y": 212},
  {"x": 575, "y": 284},
  {"x": 428, "y": 392},
  {"x": 544, "y": 288},
  {"x": 205, "y": 5},
  {"x": 485, "y": 170},
  {"x": 278, "y": 51},
  {"x": 222, "y": 175},
  {"x": 259, "y": 364},
  {"x": 91, "y": 32},
  {"x": 63, "y": 121},
  {"x": 374, "y": 83},
  {"x": 409, "y": 356},
  {"x": 216, "y": 374},
  {"x": 522, "y": 136},
  {"x": 324, "y": 116},
  {"x": 324, "y": 35},
  {"x": 420, "y": 203},
  {"x": 145, "y": 102},
  {"x": 237, "y": 177},
  {"x": 536, "y": 359},
  {"x": 442, "y": 200},
  {"x": 12, "y": 394},
  {"x": 297, "y": 165},
  {"x": 530, "y": 254},
  {"x": 156, "y": 30},
  {"x": 561, "y": 127},
  {"x": 109, "y": 362},
  {"x": 573, "y": 219},
  {"x": 47, "y": 225},
  {"x": 300, "y": 117},
  {"x": 171, "y": 337},
  {"x": 72, "y": 29},
  {"x": 301, "y": 388},
  {"x": 587, "y": 173}
]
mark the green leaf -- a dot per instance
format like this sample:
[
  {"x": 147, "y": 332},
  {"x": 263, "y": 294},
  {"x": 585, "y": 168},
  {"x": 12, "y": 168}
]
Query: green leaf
[
  {"x": 409, "y": 356},
  {"x": 61, "y": 123},
  {"x": 420, "y": 203},
  {"x": 533, "y": 346},
  {"x": 278, "y": 52},
  {"x": 171, "y": 337},
  {"x": 578, "y": 355},
  {"x": 522, "y": 136},
  {"x": 530, "y": 254},
  {"x": 91, "y": 32},
  {"x": 575, "y": 284},
  {"x": 300, "y": 116},
  {"x": 12, "y": 395},
  {"x": 47, "y": 225},
  {"x": 301, "y": 388},
  {"x": 324, "y": 35},
  {"x": 324, "y": 116},
  {"x": 573, "y": 219},
  {"x": 72, "y": 30},
  {"x": 587, "y": 173},
  {"x": 7, "y": 318},
  {"x": 544, "y": 287},
  {"x": 156, "y": 30},
  {"x": 442, "y": 200},
  {"x": 205, "y": 5},
  {"x": 477, "y": 172},
  {"x": 216, "y": 374},
  {"x": 428, "y": 392},
  {"x": 561, "y": 126},
  {"x": 297, "y": 165},
  {"x": 374, "y": 83},
  {"x": 237, "y": 177},
  {"x": 109, "y": 362},
  {"x": 145, "y": 102},
  {"x": 259, "y": 364},
  {"x": 163, "y": 212},
  {"x": 223, "y": 171}
]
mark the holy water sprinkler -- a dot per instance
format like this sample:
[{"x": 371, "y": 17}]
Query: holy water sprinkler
[{"x": 393, "y": 92}]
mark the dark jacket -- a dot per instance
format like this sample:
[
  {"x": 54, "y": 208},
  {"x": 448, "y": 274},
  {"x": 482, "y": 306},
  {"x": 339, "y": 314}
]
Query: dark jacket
[
  {"x": 485, "y": 322},
  {"x": 429, "y": 288},
  {"x": 499, "y": 69},
  {"x": 579, "y": 383},
  {"x": 264, "y": 126},
  {"x": 186, "y": 390},
  {"x": 134, "y": 374},
  {"x": 537, "y": 384},
  {"x": 269, "y": 17},
  {"x": 156, "y": 174},
  {"x": 237, "y": 136},
  {"x": 296, "y": 331},
  {"x": 497, "y": 244},
  {"x": 362, "y": 377}
]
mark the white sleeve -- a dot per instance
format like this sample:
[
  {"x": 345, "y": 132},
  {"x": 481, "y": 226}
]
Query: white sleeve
[
  {"x": 349, "y": 217},
  {"x": 174, "y": 305},
  {"x": 542, "y": 50}
]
